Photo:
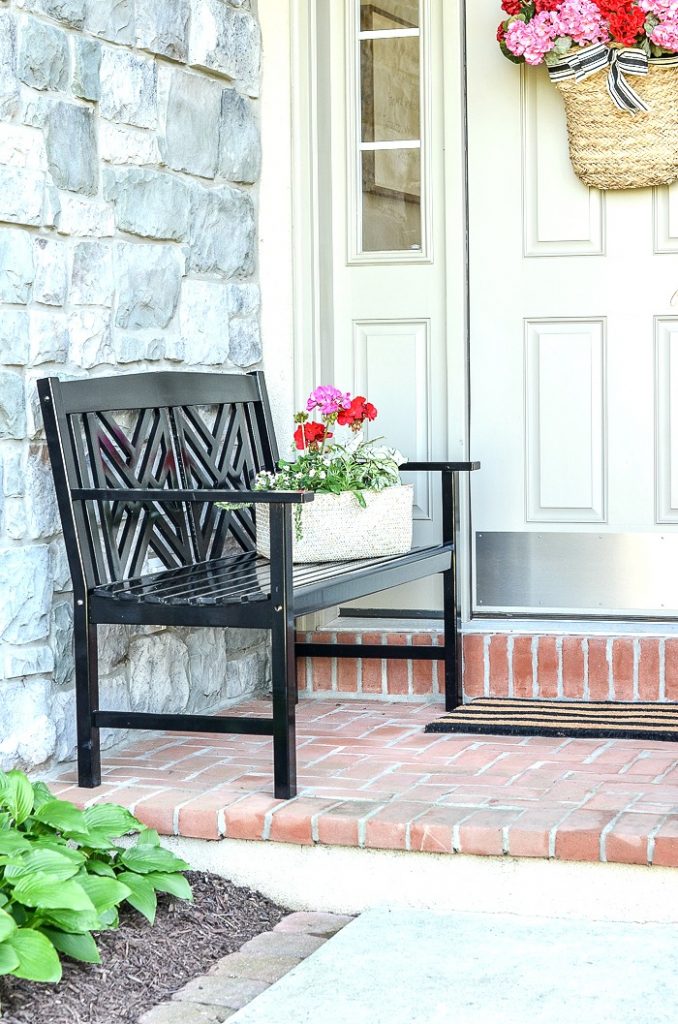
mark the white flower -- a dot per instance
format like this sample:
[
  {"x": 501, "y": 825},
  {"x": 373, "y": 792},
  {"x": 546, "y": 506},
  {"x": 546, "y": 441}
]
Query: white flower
[{"x": 312, "y": 473}]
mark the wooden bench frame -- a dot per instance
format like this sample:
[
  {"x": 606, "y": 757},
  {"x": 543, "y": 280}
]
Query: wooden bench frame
[{"x": 127, "y": 493}]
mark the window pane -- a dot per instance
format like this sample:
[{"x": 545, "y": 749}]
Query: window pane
[
  {"x": 392, "y": 200},
  {"x": 390, "y": 107},
  {"x": 387, "y": 14}
]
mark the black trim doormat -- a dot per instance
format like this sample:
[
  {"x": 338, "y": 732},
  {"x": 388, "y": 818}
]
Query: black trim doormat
[{"x": 594, "y": 719}]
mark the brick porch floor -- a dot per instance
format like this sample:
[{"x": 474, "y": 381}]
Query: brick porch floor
[{"x": 370, "y": 777}]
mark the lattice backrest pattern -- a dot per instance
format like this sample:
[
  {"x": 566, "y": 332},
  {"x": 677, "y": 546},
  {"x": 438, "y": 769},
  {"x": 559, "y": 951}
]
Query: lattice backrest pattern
[{"x": 211, "y": 446}]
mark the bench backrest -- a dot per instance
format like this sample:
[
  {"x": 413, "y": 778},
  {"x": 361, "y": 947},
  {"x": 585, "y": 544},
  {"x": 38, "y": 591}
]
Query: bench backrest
[{"x": 154, "y": 430}]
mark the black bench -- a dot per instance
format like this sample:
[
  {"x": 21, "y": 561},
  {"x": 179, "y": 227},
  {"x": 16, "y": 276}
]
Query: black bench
[{"x": 139, "y": 463}]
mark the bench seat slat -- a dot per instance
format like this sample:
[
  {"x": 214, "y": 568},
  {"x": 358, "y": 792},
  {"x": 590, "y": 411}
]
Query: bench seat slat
[{"x": 241, "y": 578}]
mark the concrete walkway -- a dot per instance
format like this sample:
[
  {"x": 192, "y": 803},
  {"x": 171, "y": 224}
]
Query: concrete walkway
[{"x": 406, "y": 967}]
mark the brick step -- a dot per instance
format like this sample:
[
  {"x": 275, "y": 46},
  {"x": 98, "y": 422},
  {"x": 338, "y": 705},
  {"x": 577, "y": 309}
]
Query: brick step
[{"x": 625, "y": 668}]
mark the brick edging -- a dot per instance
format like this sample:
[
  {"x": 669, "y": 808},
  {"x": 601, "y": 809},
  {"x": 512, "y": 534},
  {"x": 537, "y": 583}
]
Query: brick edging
[{"x": 237, "y": 979}]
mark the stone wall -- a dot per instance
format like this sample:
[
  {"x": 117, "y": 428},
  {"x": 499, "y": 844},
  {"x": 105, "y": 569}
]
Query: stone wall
[{"x": 129, "y": 155}]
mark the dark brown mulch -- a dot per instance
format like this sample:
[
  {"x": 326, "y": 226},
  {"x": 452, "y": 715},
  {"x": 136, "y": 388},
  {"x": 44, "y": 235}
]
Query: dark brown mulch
[{"x": 143, "y": 965}]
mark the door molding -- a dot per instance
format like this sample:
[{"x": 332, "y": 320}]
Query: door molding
[{"x": 310, "y": 315}]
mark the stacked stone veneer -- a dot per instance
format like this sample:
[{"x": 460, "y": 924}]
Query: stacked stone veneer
[{"x": 129, "y": 153}]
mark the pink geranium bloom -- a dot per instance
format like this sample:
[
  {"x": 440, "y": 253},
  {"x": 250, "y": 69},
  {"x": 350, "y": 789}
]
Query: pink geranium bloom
[{"x": 328, "y": 399}]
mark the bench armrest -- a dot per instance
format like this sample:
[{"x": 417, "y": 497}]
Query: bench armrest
[
  {"x": 439, "y": 467},
  {"x": 164, "y": 495}
]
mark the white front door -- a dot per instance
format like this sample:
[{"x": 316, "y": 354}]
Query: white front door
[
  {"x": 574, "y": 362},
  {"x": 385, "y": 237}
]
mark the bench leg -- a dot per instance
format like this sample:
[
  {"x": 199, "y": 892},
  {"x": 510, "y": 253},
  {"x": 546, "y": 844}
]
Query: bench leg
[
  {"x": 452, "y": 641},
  {"x": 283, "y": 670},
  {"x": 87, "y": 699}
]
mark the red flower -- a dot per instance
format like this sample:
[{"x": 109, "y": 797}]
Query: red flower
[
  {"x": 511, "y": 6},
  {"x": 501, "y": 32},
  {"x": 313, "y": 434},
  {"x": 356, "y": 414},
  {"x": 546, "y": 5},
  {"x": 626, "y": 21}
]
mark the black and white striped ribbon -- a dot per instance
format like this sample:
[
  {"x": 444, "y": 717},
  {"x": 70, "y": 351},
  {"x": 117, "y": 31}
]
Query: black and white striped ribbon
[{"x": 621, "y": 62}]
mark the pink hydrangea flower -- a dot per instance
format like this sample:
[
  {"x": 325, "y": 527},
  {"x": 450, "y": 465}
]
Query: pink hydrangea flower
[
  {"x": 328, "y": 399},
  {"x": 579, "y": 19},
  {"x": 665, "y": 34},
  {"x": 582, "y": 21},
  {"x": 532, "y": 39},
  {"x": 662, "y": 8}
]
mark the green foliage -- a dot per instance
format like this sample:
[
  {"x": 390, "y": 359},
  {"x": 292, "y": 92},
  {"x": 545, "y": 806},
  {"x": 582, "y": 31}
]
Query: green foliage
[
  {"x": 62, "y": 877},
  {"x": 357, "y": 467}
]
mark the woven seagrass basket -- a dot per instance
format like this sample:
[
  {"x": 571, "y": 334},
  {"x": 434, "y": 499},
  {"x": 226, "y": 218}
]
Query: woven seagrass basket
[
  {"x": 333, "y": 527},
  {"x": 610, "y": 148}
]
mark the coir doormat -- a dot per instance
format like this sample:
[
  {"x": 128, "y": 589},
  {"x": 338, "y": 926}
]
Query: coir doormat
[{"x": 594, "y": 719}]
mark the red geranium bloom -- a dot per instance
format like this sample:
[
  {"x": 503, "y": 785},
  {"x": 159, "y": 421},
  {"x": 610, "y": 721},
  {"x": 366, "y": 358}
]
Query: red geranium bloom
[
  {"x": 511, "y": 6},
  {"x": 313, "y": 434},
  {"x": 626, "y": 21},
  {"x": 358, "y": 411}
]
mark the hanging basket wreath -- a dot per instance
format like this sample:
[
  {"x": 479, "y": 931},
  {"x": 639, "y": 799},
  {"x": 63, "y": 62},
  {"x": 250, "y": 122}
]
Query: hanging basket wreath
[{"x": 615, "y": 63}]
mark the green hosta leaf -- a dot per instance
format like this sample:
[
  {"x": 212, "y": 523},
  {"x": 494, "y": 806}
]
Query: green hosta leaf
[
  {"x": 100, "y": 867},
  {"x": 79, "y": 921},
  {"x": 174, "y": 884},
  {"x": 9, "y": 961},
  {"x": 111, "y": 819},
  {"x": 97, "y": 839},
  {"x": 17, "y": 795},
  {"x": 78, "y": 947},
  {"x": 38, "y": 959},
  {"x": 151, "y": 858},
  {"x": 13, "y": 842},
  {"x": 41, "y": 865},
  {"x": 148, "y": 837},
  {"x": 41, "y": 795},
  {"x": 109, "y": 919},
  {"x": 105, "y": 893},
  {"x": 20, "y": 914},
  {"x": 7, "y": 925},
  {"x": 62, "y": 815},
  {"x": 52, "y": 895},
  {"x": 142, "y": 894},
  {"x": 59, "y": 846}
]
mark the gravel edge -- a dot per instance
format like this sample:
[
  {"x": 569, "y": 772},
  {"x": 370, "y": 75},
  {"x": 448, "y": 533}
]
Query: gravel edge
[{"x": 237, "y": 979}]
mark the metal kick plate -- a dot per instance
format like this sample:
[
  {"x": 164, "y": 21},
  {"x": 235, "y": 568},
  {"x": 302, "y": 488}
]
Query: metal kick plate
[{"x": 633, "y": 574}]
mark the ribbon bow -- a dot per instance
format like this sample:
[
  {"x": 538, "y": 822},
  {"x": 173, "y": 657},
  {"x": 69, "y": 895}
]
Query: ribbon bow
[{"x": 621, "y": 62}]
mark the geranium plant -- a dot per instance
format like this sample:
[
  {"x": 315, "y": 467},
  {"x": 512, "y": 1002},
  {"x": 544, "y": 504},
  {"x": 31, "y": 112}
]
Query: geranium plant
[
  {"x": 544, "y": 31},
  {"x": 325, "y": 463}
]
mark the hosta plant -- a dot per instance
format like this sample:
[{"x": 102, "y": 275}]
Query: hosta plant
[{"x": 63, "y": 876}]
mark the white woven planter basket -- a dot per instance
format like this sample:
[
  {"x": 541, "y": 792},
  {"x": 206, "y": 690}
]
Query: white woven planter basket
[{"x": 335, "y": 528}]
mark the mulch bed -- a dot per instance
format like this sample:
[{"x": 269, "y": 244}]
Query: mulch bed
[{"x": 143, "y": 965}]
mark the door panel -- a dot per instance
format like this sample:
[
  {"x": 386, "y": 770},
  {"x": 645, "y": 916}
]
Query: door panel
[
  {"x": 388, "y": 318},
  {"x": 572, "y": 383}
]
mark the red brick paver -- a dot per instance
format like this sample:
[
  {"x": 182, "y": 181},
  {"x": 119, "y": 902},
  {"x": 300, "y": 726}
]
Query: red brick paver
[{"x": 370, "y": 777}]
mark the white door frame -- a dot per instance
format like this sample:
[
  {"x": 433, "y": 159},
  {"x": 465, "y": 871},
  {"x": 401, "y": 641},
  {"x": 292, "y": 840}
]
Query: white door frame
[{"x": 293, "y": 222}]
